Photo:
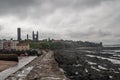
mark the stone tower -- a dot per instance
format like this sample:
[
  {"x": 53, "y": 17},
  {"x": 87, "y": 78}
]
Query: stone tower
[
  {"x": 35, "y": 36},
  {"x": 19, "y": 34}
]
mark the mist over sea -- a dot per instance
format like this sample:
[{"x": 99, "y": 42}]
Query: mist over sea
[{"x": 112, "y": 45}]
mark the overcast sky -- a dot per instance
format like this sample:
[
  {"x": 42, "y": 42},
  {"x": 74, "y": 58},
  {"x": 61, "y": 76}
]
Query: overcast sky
[{"x": 86, "y": 20}]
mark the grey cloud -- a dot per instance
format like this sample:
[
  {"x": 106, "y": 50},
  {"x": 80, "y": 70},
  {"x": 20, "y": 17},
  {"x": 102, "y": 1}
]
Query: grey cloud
[
  {"x": 1, "y": 27},
  {"x": 16, "y": 7},
  {"x": 24, "y": 8},
  {"x": 45, "y": 35},
  {"x": 72, "y": 18},
  {"x": 90, "y": 33}
]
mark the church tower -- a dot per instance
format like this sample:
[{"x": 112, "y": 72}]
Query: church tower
[{"x": 35, "y": 36}]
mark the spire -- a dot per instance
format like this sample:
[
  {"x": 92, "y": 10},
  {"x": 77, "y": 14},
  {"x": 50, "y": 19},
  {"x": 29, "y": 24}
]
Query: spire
[
  {"x": 33, "y": 35},
  {"x": 37, "y": 35}
]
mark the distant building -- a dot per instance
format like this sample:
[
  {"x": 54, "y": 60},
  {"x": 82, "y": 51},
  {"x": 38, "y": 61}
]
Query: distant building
[
  {"x": 8, "y": 44},
  {"x": 13, "y": 44},
  {"x": 1, "y": 44},
  {"x": 23, "y": 46},
  {"x": 101, "y": 44}
]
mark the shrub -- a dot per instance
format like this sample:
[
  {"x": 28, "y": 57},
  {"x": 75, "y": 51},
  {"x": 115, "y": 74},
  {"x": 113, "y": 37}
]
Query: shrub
[{"x": 9, "y": 57}]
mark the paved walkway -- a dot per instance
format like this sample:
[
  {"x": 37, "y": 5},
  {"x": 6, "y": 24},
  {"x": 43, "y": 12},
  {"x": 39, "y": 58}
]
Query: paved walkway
[{"x": 46, "y": 69}]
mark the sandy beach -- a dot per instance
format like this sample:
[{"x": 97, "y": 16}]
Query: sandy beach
[{"x": 6, "y": 64}]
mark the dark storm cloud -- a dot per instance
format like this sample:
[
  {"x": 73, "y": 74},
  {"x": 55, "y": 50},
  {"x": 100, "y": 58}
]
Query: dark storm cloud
[
  {"x": 17, "y": 8},
  {"x": 23, "y": 8},
  {"x": 72, "y": 19}
]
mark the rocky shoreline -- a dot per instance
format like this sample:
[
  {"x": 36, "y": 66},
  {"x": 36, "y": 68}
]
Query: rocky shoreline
[{"x": 89, "y": 65}]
